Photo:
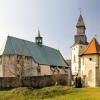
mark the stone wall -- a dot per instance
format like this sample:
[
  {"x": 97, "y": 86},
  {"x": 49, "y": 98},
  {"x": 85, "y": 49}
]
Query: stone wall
[
  {"x": 76, "y": 51},
  {"x": 98, "y": 71},
  {"x": 13, "y": 65},
  {"x": 35, "y": 81},
  {"x": 90, "y": 70}
]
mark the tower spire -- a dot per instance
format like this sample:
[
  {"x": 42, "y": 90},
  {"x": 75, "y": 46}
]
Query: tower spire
[
  {"x": 80, "y": 36},
  {"x": 80, "y": 22}
]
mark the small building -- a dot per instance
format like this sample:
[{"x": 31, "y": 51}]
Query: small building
[
  {"x": 90, "y": 64},
  {"x": 18, "y": 56}
]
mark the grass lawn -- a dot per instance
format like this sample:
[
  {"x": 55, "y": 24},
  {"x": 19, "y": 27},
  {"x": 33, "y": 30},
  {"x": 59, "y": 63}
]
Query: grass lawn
[{"x": 51, "y": 93}]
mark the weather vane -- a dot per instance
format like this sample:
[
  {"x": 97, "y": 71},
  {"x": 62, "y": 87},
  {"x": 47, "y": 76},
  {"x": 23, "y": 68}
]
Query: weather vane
[{"x": 95, "y": 35}]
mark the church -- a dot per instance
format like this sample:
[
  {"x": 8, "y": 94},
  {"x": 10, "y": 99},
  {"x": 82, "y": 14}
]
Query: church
[
  {"x": 27, "y": 58},
  {"x": 85, "y": 57}
]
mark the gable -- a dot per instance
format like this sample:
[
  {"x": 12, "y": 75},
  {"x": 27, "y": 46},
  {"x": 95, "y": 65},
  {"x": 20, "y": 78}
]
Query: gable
[{"x": 92, "y": 48}]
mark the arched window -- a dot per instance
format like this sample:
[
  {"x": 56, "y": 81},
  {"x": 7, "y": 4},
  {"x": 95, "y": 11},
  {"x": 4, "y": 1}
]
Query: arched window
[
  {"x": 74, "y": 58},
  {"x": 90, "y": 75}
]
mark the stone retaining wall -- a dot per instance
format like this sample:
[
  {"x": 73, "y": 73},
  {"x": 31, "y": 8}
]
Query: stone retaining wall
[{"x": 35, "y": 81}]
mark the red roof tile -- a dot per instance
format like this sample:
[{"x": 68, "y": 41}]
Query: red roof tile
[{"x": 92, "y": 48}]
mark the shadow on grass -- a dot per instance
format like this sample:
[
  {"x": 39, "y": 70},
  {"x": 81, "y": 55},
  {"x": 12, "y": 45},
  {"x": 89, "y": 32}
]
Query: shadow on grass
[
  {"x": 37, "y": 94},
  {"x": 54, "y": 91}
]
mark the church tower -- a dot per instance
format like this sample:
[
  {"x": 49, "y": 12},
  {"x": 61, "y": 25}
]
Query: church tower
[
  {"x": 80, "y": 43},
  {"x": 39, "y": 39},
  {"x": 80, "y": 36}
]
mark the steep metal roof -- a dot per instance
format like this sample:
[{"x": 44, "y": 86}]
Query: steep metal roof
[
  {"x": 41, "y": 54},
  {"x": 80, "y": 22}
]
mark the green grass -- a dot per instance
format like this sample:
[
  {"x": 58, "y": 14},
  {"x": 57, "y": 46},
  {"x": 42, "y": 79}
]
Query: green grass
[{"x": 51, "y": 93}]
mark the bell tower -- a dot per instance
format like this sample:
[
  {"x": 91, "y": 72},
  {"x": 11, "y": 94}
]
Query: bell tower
[
  {"x": 80, "y": 36},
  {"x": 39, "y": 39},
  {"x": 80, "y": 43}
]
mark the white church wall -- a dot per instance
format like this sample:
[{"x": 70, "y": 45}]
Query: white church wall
[
  {"x": 76, "y": 51},
  {"x": 82, "y": 47},
  {"x": 88, "y": 69},
  {"x": 75, "y": 59}
]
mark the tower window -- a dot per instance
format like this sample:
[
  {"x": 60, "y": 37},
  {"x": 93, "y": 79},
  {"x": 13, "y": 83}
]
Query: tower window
[
  {"x": 90, "y": 59},
  {"x": 83, "y": 60},
  {"x": 74, "y": 58}
]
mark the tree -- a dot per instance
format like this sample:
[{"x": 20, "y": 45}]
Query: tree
[{"x": 20, "y": 70}]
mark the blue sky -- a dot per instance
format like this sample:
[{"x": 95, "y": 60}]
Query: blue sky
[{"x": 56, "y": 20}]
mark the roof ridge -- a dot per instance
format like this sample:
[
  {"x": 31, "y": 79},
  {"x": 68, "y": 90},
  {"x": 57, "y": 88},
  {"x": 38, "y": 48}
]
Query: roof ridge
[
  {"x": 98, "y": 47},
  {"x": 31, "y": 42},
  {"x": 20, "y": 39},
  {"x": 95, "y": 44},
  {"x": 87, "y": 47}
]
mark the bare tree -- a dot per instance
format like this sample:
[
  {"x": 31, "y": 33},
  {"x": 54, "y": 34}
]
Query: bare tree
[{"x": 20, "y": 70}]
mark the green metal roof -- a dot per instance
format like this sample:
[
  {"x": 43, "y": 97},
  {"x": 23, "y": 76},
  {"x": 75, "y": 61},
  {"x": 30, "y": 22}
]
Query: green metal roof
[{"x": 41, "y": 54}]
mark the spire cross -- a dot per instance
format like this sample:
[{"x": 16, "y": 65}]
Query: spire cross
[
  {"x": 80, "y": 10},
  {"x": 38, "y": 32}
]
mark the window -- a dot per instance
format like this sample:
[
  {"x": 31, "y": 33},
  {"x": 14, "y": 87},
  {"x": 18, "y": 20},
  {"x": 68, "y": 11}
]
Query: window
[
  {"x": 90, "y": 59},
  {"x": 74, "y": 58}
]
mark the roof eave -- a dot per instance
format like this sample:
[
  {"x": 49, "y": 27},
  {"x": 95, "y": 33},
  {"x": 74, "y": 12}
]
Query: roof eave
[{"x": 89, "y": 54}]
